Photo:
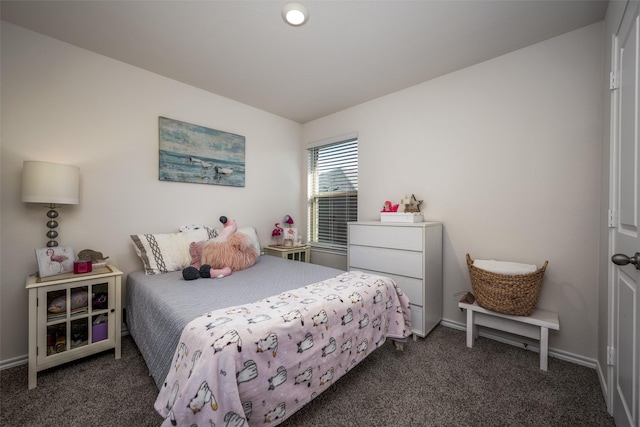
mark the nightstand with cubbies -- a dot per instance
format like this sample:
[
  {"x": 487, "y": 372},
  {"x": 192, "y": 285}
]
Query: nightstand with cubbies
[
  {"x": 296, "y": 253},
  {"x": 72, "y": 316}
]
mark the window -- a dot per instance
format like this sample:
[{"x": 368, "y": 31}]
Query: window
[{"x": 333, "y": 192}]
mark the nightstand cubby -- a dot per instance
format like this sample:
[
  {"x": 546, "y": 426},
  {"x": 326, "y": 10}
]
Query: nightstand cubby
[{"x": 72, "y": 316}]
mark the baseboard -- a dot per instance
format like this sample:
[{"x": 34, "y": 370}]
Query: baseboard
[
  {"x": 524, "y": 343},
  {"x": 16, "y": 361},
  {"x": 602, "y": 377},
  {"x": 24, "y": 359},
  {"x": 491, "y": 334}
]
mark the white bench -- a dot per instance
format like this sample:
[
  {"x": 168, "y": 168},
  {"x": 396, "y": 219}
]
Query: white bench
[{"x": 535, "y": 326}]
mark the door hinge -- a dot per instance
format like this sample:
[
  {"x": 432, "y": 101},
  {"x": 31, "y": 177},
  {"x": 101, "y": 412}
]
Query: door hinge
[
  {"x": 611, "y": 218},
  {"x": 613, "y": 80},
  {"x": 611, "y": 356}
]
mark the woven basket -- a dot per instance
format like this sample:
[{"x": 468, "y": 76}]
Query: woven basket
[{"x": 509, "y": 294}]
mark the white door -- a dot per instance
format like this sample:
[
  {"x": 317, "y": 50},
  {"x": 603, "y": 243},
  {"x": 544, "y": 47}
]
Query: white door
[{"x": 625, "y": 306}]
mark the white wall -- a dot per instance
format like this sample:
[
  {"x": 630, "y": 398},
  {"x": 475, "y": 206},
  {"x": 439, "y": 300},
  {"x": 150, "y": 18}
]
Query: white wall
[
  {"x": 507, "y": 154},
  {"x": 67, "y": 105}
]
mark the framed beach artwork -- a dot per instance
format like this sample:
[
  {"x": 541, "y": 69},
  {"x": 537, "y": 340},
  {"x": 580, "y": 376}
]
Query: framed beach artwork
[{"x": 192, "y": 153}]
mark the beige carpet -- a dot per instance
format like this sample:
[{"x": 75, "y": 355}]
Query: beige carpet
[{"x": 437, "y": 381}]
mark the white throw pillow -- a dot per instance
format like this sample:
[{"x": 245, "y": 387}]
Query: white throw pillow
[
  {"x": 253, "y": 236},
  {"x": 162, "y": 253}
]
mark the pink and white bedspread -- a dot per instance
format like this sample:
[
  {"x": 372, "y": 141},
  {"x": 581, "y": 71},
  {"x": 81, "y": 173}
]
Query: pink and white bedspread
[{"x": 259, "y": 363}]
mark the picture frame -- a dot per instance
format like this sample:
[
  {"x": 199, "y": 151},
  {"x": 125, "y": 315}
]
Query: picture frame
[
  {"x": 55, "y": 260},
  {"x": 289, "y": 237},
  {"x": 197, "y": 154}
]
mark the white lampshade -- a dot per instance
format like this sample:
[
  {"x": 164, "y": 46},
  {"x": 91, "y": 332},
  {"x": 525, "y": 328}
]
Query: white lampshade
[{"x": 53, "y": 183}]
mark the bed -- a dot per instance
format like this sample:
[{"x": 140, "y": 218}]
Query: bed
[{"x": 256, "y": 346}]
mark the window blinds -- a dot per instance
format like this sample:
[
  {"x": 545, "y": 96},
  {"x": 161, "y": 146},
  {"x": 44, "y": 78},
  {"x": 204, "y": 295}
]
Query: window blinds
[{"x": 333, "y": 192}]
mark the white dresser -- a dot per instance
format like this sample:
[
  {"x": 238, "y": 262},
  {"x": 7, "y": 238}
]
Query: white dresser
[{"x": 408, "y": 253}]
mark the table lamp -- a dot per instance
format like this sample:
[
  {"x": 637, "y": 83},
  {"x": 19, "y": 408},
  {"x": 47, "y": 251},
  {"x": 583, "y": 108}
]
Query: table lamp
[{"x": 51, "y": 183}]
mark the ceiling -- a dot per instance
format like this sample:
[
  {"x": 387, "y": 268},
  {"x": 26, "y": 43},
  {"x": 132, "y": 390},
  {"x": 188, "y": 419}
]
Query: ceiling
[{"x": 347, "y": 53}]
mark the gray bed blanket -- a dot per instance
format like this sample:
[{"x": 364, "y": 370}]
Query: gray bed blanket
[{"x": 159, "y": 306}]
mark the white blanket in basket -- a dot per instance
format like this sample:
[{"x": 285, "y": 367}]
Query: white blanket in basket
[{"x": 504, "y": 267}]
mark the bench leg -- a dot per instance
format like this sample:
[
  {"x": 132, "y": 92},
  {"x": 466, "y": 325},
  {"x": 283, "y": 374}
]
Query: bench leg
[
  {"x": 544, "y": 347},
  {"x": 471, "y": 329}
]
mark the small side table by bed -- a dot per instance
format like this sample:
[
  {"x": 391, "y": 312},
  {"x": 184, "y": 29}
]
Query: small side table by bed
[
  {"x": 296, "y": 253},
  {"x": 86, "y": 319}
]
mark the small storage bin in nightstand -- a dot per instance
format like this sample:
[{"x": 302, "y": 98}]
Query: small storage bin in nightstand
[
  {"x": 100, "y": 331},
  {"x": 296, "y": 253}
]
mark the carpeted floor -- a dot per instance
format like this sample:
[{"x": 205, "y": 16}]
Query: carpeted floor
[{"x": 436, "y": 381}]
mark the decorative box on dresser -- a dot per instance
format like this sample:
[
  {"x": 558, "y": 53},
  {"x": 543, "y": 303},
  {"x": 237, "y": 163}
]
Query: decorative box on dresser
[
  {"x": 408, "y": 253},
  {"x": 72, "y": 316}
]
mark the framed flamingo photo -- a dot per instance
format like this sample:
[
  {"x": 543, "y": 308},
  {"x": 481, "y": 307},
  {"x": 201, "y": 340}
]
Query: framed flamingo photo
[{"x": 55, "y": 260}]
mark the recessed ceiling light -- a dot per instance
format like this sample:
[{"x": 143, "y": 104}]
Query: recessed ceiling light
[{"x": 295, "y": 14}]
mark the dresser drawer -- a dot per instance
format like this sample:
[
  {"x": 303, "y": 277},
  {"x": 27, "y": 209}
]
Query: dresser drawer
[
  {"x": 403, "y": 263},
  {"x": 412, "y": 288},
  {"x": 407, "y": 238}
]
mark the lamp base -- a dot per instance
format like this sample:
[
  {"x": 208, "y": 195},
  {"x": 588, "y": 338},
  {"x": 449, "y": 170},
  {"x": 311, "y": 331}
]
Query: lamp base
[{"x": 52, "y": 224}]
